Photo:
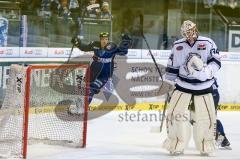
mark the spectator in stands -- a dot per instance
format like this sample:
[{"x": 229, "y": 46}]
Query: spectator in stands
[
  {"x": 131, "y": 25},
  {"x": 65, "y": 9},
  {"x": 30, "y": 7},
  {"x": 209, "y": 3},
  {"x": 221, "y": 2},
  {"x": 12, "y": 15},
  {"x": 3, "y": 31},
  {"x": 105, "y": 11},
  {"x": 229, "y": 13},
  {"x": 49, "y": 11},
  {"x": 93, "y": 9},
  {"x": 48, "y": 8},
  {"x": 75, "y": 9},
  {"x": 45, "y": 8},
  {"x": 232, "y": 3}
]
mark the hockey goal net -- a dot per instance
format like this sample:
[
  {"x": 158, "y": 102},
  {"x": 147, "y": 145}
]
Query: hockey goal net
[{"x": 36, "y": 107}]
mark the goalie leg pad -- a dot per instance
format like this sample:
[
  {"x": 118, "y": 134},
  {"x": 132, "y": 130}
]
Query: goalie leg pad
[
  {"x": 204, "y": 123},
  {"x": 178, "y": 126}
]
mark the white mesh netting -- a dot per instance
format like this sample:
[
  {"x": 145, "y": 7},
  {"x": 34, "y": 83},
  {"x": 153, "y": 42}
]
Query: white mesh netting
[{"x": 52, "y": 91}]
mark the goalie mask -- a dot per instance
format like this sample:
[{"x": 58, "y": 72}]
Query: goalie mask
[{"x": 189, "y": 30}]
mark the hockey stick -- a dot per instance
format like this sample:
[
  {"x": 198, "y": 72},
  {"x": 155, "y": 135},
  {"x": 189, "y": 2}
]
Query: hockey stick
[
  {"x": 164, "y": 111},
  {"x": 70, "y": 54},
  {"x": 159, "y": 72},
  {"x": 143, "y": 36},
  {"x": 82, "y": 12}
]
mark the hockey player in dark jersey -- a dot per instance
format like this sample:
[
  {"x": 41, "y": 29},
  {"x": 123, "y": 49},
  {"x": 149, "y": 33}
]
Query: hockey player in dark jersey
[
  {"x": 101, "y": 68},
  {"x": 220, "y": 134}
]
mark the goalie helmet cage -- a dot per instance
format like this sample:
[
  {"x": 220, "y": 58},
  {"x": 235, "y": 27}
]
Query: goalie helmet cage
[{"x": 44, "y": 116}]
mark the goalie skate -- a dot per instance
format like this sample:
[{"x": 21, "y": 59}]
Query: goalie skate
[
  {"x": 176, "y": 153},
  {"x": 204, "y": 154}
]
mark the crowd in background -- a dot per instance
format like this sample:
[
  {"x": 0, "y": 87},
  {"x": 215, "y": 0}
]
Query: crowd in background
[
  {"x": 86, "y": 8},
  {"x": 53, "y": 22},
  {"x": 56, "y": 17}
]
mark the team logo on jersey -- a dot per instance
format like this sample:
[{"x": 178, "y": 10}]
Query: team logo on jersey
[
  {"x": 109, "y": 46},
  {"x": 201, "y": 46},
  {"x": 179, "y": 48}
]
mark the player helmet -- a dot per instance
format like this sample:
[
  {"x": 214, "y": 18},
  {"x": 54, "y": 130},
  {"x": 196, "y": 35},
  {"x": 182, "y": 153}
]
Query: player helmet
[
  {"x": 105, "y": 4},
  {"x": 104, "y": 34},
  {"x": 189, "y": 30}
]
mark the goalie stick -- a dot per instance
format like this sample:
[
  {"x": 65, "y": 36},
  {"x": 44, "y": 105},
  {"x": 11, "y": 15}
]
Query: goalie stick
[{"x": 159, "y": 72}]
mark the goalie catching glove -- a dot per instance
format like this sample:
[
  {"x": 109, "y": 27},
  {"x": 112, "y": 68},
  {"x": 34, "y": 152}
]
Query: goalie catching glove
[
  {"x": 198, "y": 69},
  {"x": 194, "y": 64}
]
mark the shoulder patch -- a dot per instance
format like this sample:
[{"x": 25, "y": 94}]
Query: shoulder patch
[
  {"x": 110, "y": 46},
  {"x": 179, "y": 48}
]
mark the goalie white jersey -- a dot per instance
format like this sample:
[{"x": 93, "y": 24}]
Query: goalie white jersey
[{"x": 200, "y": 81}]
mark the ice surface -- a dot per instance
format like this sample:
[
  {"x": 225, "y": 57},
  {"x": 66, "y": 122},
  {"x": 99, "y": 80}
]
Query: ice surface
[{"x": 110, "y": 138}]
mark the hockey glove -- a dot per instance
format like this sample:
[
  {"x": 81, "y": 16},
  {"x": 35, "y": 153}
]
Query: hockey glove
[
  {"x": 126, "y": 41},
  {"x": 76, "y": 41},
  {"x": 204, "y": 74},
  {"x": 95, "y": 58},
  {"x": 194, "y": 63},
  {"x": 125, "y": 37}
]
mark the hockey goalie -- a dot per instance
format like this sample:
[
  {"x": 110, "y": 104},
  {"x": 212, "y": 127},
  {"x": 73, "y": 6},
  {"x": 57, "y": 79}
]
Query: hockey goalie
[{"x": 193, "y": 62}]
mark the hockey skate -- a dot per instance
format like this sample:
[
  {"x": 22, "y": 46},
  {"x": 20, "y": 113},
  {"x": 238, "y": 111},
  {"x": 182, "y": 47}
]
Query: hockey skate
[
  {"x": 226, "y": 144},
  {"x": 76, "y": 108},
  {"x": 222, "y": 142},
  {"x": 207, "y": 154}
]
